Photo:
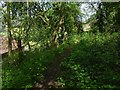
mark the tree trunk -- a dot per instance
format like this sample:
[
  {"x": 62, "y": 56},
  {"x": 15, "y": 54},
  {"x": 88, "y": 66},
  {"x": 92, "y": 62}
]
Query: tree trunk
[
  {"x": 55, "y": 37},
  {"x": 19, "y": 44},
  {"x": 100, "y": 18},
  {"x": 9, "y": 29},
  {"x": 28, "y": 25}
]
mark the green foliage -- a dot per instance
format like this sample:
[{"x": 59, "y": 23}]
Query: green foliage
[
  {"x": 93, "y": 63},
  {"x": 27, "y": 73},
  {"x": 74, "y": 75},
  {"x": 106, "y": 18},
  {"x": 93, "y": 60}
]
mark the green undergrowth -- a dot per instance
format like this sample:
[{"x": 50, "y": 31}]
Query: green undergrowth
[
  {"x": 93, "y": 63},
  {"x": 30, "y": 70}
]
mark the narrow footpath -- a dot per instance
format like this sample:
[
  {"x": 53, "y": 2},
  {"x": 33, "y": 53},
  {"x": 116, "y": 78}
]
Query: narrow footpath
[{"x": 53, "y": 71}]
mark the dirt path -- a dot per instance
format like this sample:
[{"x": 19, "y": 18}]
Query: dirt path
[{"x": 53, "y": 71}]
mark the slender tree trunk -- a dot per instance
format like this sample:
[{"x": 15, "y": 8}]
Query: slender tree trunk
[
  {"x": 9, "y": 29},
  {"x": 80, "y": 26},
  {"x": 19, "y": 44},
  {"x": 100, "y": 18},
  {"x": 55, "y": 36},
  {"x": 28, "y": 25}
]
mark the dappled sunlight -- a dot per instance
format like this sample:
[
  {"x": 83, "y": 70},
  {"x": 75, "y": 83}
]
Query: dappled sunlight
[{"x": 60, "y": 45}]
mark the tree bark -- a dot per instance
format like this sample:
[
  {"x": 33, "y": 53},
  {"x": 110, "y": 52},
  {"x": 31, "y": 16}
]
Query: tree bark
[
  {"x": 20, "y": 50},
  {"x": 9, "y": 29},
  {"x": 28, "y": 25}
]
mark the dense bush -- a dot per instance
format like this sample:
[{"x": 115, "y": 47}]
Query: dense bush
[
  {"x": 28, "y": 72},
  {"x": 94, "y": 58},
  {"x": 93, "y": 63},
  {"x": 74, "y": 75}
]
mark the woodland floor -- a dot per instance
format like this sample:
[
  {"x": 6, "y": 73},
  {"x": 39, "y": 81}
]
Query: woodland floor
[
  {"x": 94, "y": 63},
  {"x": 53, "y": 71}
]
